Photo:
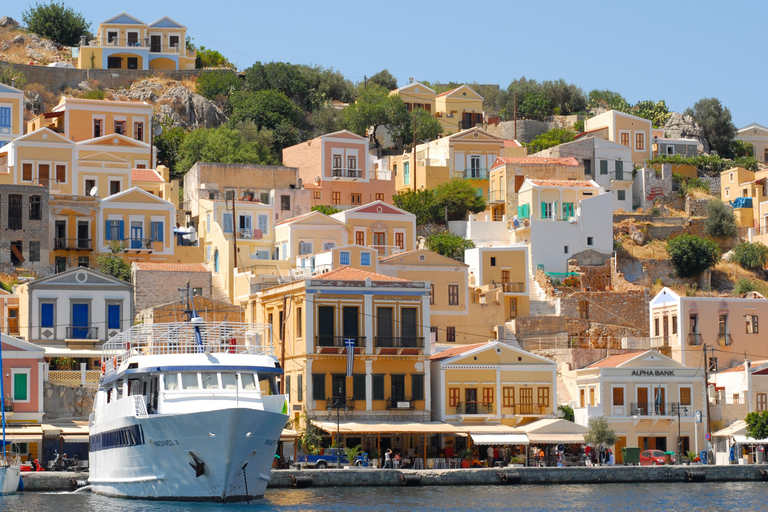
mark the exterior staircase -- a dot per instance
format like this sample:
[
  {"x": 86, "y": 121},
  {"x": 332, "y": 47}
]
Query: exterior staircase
[
  {"x": 507, "y": 334},
  {"x": 540, "y": 305},
  {"x": 218, "y": 290}
]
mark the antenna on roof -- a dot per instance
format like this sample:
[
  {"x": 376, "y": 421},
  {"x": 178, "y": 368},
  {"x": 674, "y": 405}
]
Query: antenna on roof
[
  {"x": 410, "y": 79},
  {"x": 93, "y": 192}
]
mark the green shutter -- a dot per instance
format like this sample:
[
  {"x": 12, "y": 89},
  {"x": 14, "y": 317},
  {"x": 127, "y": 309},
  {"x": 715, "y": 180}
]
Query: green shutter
[
  {"x": 543, "y": 210},
  {"x": 20, "y": 387},
  {"x": 358, "y": 386},
  {"x": 603, "y": 166},
  {"x": 527, "y": 210}
]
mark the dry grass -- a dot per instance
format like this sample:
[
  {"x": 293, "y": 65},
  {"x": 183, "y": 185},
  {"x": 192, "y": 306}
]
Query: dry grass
[
  {"x": 700, "y": 194},
  {"x": 17, "y": 53},
  {"x": 653, "y": 250}
]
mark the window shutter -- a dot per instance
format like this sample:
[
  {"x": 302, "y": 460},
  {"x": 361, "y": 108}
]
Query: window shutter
[
  {"x": 358, "y": 386},
  {"x": 122, "y": 230},
  {"x": 526, "y": 210},
  {"x": 160, "y": 232},
  {"x": 543, "y": 210},
  {"x": 107, "y": 231}
]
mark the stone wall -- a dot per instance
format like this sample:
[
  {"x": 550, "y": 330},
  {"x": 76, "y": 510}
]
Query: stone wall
[
  {"x": 67, "y": 402},
  {"x": 696, "y": 207},
  {"x": 714, "y": 183},
  {"x": 529, "y": 129},
  {"x": 57, "y": 79},
  {"x": 31, "y": 230},
  {"x": 153, "y": 288},
  {"x": 543, "y": 281},
  {"x": 649, "y": 187},
  {"x": 624, "y": 309}
]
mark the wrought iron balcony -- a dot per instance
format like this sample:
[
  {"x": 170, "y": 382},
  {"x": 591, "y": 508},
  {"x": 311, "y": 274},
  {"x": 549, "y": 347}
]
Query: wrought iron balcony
[
  {"x": 400, "y": 402},
  {"x": 82, "y": 333},
  {"x": 340, "y": 402},
  {"x": 138, "y": 244},
  {"x": 342, "y": 172},
  {"x": 474, "y": 408},
  {"x": 472, "y": 173},
  {"x": 74, "y": 244},
  {"x": 694, "y": 339},
  {"x": 338, "y": 341},
  {"x": 659, "y": 409}
]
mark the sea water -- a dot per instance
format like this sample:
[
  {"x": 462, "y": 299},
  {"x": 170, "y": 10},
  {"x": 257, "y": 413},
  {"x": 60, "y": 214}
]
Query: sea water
[{"x": 741, "y": 496}]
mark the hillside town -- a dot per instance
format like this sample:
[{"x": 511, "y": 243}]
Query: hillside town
[{"x": 468, "y": 287}]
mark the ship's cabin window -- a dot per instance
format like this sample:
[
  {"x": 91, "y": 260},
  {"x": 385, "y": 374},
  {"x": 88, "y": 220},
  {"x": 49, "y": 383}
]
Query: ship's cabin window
[
  {"x": 119, "y": 390},
  {"x": 135, "y": 387},
  {"x": 249, "y": 382},
  {"x": 210, "y": 380},
  {"x": 229, "y": 381},
  {"x": 171, "y": 381},
  {"x": 189, "y": 381},
  {"x": 267, "y": 384}
]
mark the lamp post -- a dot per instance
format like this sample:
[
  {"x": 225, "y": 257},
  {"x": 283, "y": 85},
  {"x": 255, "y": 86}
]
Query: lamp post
[
  {"x": 679, "y": 434},
  {"x": 338, "y": 403}
]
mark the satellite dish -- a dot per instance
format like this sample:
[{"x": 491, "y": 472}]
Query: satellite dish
[
  {"x": 158, "y": 130},
  {"x": 93, "y": 192}
]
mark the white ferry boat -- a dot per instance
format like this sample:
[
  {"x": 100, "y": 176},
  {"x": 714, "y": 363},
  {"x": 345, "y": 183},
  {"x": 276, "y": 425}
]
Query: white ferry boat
[
  {"x": 187, "y": 411},
  {"x": 10, "y": 468}
]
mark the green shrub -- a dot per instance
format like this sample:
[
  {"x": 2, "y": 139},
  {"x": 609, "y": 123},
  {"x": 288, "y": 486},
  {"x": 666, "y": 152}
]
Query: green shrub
[
  {"x": 55, "y": 21},
  {"x": 218, "y": 82},
  {"x": 448, "y": 244},
  {"x": 211, "y": 59},
  {"x": 751, "y": 256},
  {"x": 743, "y": 286},
  {"x": 326, "y": 209},
  {"x": 94, "y": 94},
  {"x": 720, "y": 220},
  {"x": 691, "y": 255}
]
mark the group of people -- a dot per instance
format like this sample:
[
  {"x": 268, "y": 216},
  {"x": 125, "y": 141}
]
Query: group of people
[
  {"x": 396, "y": 460},
  {"x": 599, "y": 455},
  {"x": 496, "y": 454}
]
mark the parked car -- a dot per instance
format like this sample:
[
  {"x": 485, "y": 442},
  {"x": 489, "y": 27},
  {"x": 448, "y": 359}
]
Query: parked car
[
  {"x": 653, "y": 458},
  {"x": 330, "y": 459}
]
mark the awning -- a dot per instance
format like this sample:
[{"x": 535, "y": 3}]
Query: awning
[
  {"x": 405, "y": 427},
  {"x": 556, "y": 438},
  {"x": 24, "y": 434},
  {"x": 499, "y": 438},
  {"x": 71, "y": 352},
  {"x": 743, "y": 439},
  {"x": 737, "y": 427},
  {"x": 288, "y": 435},
  {"x": 75, "y": 438}
]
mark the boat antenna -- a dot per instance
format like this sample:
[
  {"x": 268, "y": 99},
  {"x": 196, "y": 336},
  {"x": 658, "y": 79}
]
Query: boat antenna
[
  {"x": 186, "y": 298},
  {"x": 2, "y": 394}
]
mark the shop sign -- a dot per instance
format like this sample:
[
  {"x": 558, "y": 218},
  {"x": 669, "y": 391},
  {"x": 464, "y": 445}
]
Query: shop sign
[{"x": 653, "y": 373}]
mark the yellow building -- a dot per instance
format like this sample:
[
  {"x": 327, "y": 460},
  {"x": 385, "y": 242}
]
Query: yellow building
[
  {"x": 354, "y": 256},
  {"x": 757, "y": 135},
  {"x": 459, "y": 312},
  {"x": 464, "y": 155},
  {"x": 11, "y": 114},
  {"x": 417, "y": 95},
  {"x": 504, "y": 268},
  {"x": 388, "y": 320},
  {"x": 307, "y": 234},
  {"x": 125, "y": 42},
  {"x": 625, "y": 129},
  {"x": 381, "y": 226},
  {"x": 749, "y": 189},
  {"x": 647, "y": 397},
  {"x": 492, "y": 383},
  {"x": 75, "y": 229},
  {"x": 459, "y": 109}
]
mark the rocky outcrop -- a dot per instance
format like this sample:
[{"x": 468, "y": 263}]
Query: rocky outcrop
[
  {"x": 7, "y": 21},
  {"x": 177, "y": 103},
  {"x": 681, "y": 126}
]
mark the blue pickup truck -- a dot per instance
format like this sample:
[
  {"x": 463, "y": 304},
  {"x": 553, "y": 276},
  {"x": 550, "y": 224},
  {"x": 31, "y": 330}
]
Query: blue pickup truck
[{"x": 330, "y": 458}]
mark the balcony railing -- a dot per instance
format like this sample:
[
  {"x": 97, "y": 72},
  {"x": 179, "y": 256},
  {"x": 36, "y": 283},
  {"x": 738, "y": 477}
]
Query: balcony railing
[
  {"x": 496, "y": 196},
  {"x": 401, "y": 403},
  {"x": 473, "y": 173},
  {"x": 403, "y": 342},
  {"x": 338, "y": 341},
  {"x": 82, "y": 333},
  {"x": 138, "y": 244},
  {"x": 694, "y": 339},
  {"x": 340, "y": 402},
  {"x": 474, "y": 408},
  {"x": 341, "y": 172},
  {"x": 145, "y": 43},
  {"x": 81, "y": 244},
  {"x": 724, "y": 340},
  {"x": 659, "y": 409},
  {"x": 387, "y": 250},
  {"x": 508, "y": 287},
  {"x": 382, "y": 175},
  {"x": 466, "y": 125},
  {"x": 622, "y": 176}
]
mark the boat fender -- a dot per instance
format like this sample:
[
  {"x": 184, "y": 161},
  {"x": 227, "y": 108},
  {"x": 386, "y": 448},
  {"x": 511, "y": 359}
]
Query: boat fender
[
  {"x": 695, "y": 476},
  {"x": 103, "y": 368},
  {"x": 114, "y": 363},
  {"x": 301, "y": 481},
  {"x": 128, "y": 346},
  {"x": 410, "y": 480},
  {"x": 764, "y": 474},
  {"x": 510, "y": 478}
]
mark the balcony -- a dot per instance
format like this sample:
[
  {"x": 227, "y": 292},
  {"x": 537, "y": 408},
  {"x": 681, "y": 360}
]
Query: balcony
[
  {"x": 694, "y": 339},
  {"x": 622, "y": 176},
  {"x": 387, "y": 250},
  {"x": 82, "y": 333},
  {"x": 249, "y": 234},
  {"x": 724, "y": 340},
  {"x": 335, "y": 344},
  {"x": 145, "y": 43},
  {"x": 412, "y": 345},
  {"x": 138, "y": 245},
  {"x": 474, "y": 408},
  {"x": 496, "y": 196},
  {"x": 509, "y": 287},
  {"x": 400, "y": 403},
  {"x": 660, "y": 409},
  {"x": 382, "y": 175},
  {"x": 341, "y": 172},
  {"x": 73, "y": 244},
  {"x": 340, "y": 402},
  {"x": 473, "y": 173},
  {"x": 466, "y": 125}
]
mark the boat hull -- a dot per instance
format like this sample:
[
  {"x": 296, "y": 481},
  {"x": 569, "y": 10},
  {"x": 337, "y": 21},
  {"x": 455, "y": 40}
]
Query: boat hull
[
  {"x": 221, "y": 455},
  {"x": 9, "y": 478}
]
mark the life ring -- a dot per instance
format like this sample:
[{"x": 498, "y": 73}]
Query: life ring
[
  {"x": 114, "y": 362},
  {"x": 103, "y": 368},
  {"x": 127, "y": 346},
  {"x": 232, "y": 345}
]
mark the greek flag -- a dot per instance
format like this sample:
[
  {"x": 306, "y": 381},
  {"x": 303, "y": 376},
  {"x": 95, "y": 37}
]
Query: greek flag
[
  {"x": 659, "y": 403},
  {"x": 350, "y": 344}
]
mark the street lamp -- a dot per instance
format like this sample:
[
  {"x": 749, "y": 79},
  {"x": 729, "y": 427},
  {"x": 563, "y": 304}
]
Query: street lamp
[
  {"x": 339, "y": 403},
  {"x": 679, "y": 434}
]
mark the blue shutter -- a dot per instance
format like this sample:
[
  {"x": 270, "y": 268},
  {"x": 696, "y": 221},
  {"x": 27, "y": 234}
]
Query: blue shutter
[
  {"x": 157, "y": 231},
  {"x": 107, "y": 231},
  {"x": 113, "y": 316},
  {"x": 122, "y": 230},
  {"x": 5, "y": 117},
  {"x": 46, "y": 313}
]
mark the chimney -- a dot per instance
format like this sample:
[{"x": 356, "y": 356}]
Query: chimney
[
  {"x": 164, "y": 172},
  {"x": 83, "y": 41}
]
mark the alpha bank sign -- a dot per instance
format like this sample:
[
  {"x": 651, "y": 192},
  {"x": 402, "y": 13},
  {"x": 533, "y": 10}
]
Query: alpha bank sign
[{"x": 653, "y": 373}]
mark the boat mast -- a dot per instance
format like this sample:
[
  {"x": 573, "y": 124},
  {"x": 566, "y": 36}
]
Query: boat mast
[{"x": 2, "y": 393}]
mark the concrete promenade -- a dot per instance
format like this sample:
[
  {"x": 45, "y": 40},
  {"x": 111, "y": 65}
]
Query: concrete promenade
[{"x": 65, "y": 481}]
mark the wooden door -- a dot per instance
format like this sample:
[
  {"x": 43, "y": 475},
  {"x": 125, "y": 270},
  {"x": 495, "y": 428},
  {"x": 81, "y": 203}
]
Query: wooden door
[
  {"x": 43, "y": 174},
  {"x": 642, "y": 401},
  {"x": 13, "y": 326},
  {"x": 519, "y": 182},
  {"x": 621, "y": 443},
  {"x": 526, "y": 400},
  {"x": 470, "y": 401},
  {"x": 399, "y": 240},
  {"x": 762, "y": 400}
]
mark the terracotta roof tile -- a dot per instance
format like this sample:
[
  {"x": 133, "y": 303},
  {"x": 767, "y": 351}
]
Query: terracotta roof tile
[
  {"x": 614, "y": 361},
  {"x": 171, "y": 267},
  {"x": 562, "y": 183},
  {"x": 740, "y": 368},
  {"x": 354, "y": 274},
  {"x": 538, "y": 160},
  {"x": 511, "y": 143},
  {"x": 455, "y": 351},
  {"x": 447, "y": 92},
  {"x": 146, "y": 175}
]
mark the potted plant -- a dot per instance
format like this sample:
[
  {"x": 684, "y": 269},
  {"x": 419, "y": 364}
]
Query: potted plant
[
  {"x": 465, "y": 454},
  {"x": 517, "y": 461},
  {"x": 351, "y": 454},
  {"x": 691, "y": 457}
]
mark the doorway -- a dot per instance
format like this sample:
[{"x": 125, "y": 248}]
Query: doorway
[
  {"x": 83, "y": 238},
  {"x": 155, "y": 44},
  {"x": 470, "y": 401},
  {"x": 80, "y": 321},
  {"x": 620, "y": 443},
  {"x": 351, "y": 323},
  {"x": 137, "y": 233},
  {"x": 398, "y": 388}
]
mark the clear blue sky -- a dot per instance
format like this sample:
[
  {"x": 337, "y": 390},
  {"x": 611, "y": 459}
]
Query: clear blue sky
[{"x": 678, "y": 51}]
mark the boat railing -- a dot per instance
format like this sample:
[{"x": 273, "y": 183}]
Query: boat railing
[
  {"x": 140, "y": 406},
  {"x": 177, "y": 338}
]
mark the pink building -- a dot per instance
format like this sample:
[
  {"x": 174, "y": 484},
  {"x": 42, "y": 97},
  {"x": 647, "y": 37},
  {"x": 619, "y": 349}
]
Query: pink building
[
  {"x": 23, "y": 373},
  {"x": 337, "y": 169}
]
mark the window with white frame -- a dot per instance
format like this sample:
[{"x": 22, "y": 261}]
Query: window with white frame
[
  {"x": 20, "y": 384},
  {"x": 305, "y": 248},
  {"x": 344, "y": 258}
]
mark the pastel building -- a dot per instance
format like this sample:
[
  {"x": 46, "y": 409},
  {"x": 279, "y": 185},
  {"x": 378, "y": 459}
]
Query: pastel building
[
  {"x": 757, "y": 135},
  {"x": 125, "y": 42},
  {"x": 307, "y": 234},
  {"x": 504, "y": 268},
  {"x": 459, "y": 109},
  {"x": 381, "y": 226},
  {"x": 337, "y": 170},
  {"x": 625, "y": 129},
  {"x": 11, "y": 114}
]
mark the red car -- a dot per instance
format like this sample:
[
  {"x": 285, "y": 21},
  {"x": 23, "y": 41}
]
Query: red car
[{"x": 653, "y": 458}]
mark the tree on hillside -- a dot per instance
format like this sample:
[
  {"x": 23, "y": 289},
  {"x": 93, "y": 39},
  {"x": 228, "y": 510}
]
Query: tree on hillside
[
  {"x": 534, "y": 105},
  {"x": 112, "y": 264},
  {"x": 55, "y": 21},
  {"x": 221, "y": 145},
  {"x": 421, "y": 203},
  {"x": 448, "y": 244},
  {"x": 385, "y": 79},
  {"x": 720, "y": 220},
  {"x": 168, "y": 143},
  {"x": 375, "y": 108},
  {"x": 691, "y": 255},
  {"x": 457, "y": 198},
  {"x": 11, "y": 76},
  {"x": 426, "y": 126},
  {"x": 607, "y": 99},
  {"x": 715, "y": 120},
  {"x": 551, "y": 138},
  {"x": 656, "y": 112},
  {"x": 565, "y": 98},
  {"x": 268, "y": 109},
  {"x": 751, "y": 256},
  {"x": 218, "y": 84},
  {"x": 207, "y": 58},
  {"x": 740, "y": 149}
]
